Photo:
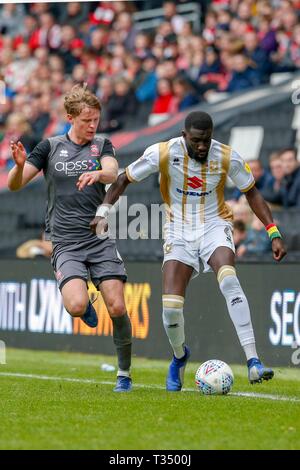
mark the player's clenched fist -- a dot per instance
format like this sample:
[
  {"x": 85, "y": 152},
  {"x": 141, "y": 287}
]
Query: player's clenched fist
[
  {"x": 18, "y": 153},
  {"x": 278, "y": 248}
]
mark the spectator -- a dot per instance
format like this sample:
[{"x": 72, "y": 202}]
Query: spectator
[
  {"x": 241, "y": 211},
  {"x": 58, "y": 124},
  {"x": 267, "y": 35},
  {"x": 126, "y": 32},
  {"x": 68, "y": 43},
  {"x": 105, "y": 92},
  {"x": 134, "y": 70},
  {"x": 171, "y": 15},
  {"x": 17, "y": 128},
  {"x": 243, "y": 76},
  {"x": 35, "y": 248},
  {"x": 11, "y": 19},
  {"x": 142, "y": 45},
  {"x": 262, "y": 177},
  {"x": 184, "y": 95},
  {"x": 121, "y": 107},
  {"x": 254, "y": 241},
  {"x": 98, "y": 40},
  {"x": 18, "y": 72},
  {"x": 146, "y": 90},
  {"x": 164, "y": 101},
  {"x": 56, "y": 44},
  {"x": 48, "y": 34},
  {"x": 239, "y": 236},
  {"x": 74, "y": 14},
  {"x": 39, "y": 115},
  {"x": 210, "y": 72},
  {"x": 291, "y": 180},
  {"x": 271, "y": 191},
  {"x": 257, "y": 56}
]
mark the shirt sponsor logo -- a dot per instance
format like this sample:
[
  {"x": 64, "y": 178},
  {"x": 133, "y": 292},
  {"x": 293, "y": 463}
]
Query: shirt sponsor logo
[
  {"x": 76, "y": 168},
  {"x": 195, "y": 182},
  {"x": 194, "y": 193}
]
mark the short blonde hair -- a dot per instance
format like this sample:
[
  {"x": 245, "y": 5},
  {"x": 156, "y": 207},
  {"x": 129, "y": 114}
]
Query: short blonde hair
[{"x": 78, "y": 98}]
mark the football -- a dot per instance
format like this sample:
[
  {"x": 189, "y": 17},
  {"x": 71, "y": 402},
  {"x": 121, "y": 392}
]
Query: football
[{"x": 214, "y": 377}]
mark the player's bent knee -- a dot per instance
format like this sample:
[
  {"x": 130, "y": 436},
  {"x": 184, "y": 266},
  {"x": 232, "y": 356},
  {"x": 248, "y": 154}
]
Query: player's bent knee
[
  {"x": 172, "y": 308},
  {"x": 76, "y": 308},
  {"x": 116, "y": 308},
  {"x": 229, "y": 284}
]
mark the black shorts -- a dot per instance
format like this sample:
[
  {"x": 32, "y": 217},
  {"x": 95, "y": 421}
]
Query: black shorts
[{"x": 98, "y": 260}]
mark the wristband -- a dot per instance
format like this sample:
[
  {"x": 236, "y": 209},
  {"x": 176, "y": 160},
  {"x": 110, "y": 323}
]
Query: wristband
[
  {"x": 102, "y": 211},
  {"x": 273, "y": 231}
]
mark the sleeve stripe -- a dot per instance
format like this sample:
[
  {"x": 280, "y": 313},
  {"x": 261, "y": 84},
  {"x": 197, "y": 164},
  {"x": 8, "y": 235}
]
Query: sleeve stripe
[
  {"x": 132, "y": 180},
  {"x": 248, "y": 187}
]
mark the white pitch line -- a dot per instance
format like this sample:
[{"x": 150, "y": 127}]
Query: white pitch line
[{"x": 52, "y": 378}]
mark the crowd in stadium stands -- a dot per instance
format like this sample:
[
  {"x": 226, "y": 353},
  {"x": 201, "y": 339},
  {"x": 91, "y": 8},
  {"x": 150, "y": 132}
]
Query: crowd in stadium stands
[
  {"x": 280, "y": 186},
  {"x": 281, "y": 189},
  {"x": 45, "y": 48}
]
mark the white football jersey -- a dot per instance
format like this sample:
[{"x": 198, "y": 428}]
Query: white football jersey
[{"x": 194, "y": 192}]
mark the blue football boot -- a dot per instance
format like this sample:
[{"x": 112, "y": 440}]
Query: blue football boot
[
  {"x": 257, "y": 372},
  {"x": 176, "y": 372},
  {"x": 124, "y": 384},
  {"x": 90, "y": 316}
]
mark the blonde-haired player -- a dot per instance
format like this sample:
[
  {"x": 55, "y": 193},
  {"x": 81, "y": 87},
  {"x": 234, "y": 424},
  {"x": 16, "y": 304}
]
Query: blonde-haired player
[{"x": 68, "y": 161}]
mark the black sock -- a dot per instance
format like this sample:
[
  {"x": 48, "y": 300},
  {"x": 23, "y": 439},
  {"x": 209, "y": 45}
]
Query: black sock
[{"x": 122, "y": 339}]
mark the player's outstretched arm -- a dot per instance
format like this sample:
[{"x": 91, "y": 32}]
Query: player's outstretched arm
[
  {"x": 22, "y": 172},
  {"x": 111, "y": 197},
  {"x": 107, "y": 175},
  {"x": 262, "y": 211}
]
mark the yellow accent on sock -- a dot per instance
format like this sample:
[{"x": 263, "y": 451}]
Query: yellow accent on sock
[
  {"x": 224, "y": 271},
  {"x": 172, "y": 301}
]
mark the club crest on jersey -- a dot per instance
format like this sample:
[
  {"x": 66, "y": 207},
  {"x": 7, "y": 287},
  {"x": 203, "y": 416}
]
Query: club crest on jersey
[
  {"x": 168, "y": 248},
  {"x": 94, "y": 151}
]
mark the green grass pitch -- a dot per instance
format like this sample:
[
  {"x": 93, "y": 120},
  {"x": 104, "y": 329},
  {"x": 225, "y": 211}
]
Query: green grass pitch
[{"x": 54, "y": 400}]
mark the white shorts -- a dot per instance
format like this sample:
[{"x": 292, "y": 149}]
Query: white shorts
[{"x": 215, "y": 235}]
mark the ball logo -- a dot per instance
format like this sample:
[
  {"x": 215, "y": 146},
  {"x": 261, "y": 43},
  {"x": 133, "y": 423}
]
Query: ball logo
[{"x": 209, "y": 369}]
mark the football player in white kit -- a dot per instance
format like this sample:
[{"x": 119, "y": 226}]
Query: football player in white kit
[{"x": 193, "y": 170}]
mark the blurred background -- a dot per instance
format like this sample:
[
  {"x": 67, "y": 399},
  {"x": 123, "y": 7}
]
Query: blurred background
[{"x": 151, "y": 62}]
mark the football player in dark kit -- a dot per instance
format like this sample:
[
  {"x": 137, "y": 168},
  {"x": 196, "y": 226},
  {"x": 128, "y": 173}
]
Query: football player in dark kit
[{"x": 67, "y": 161}]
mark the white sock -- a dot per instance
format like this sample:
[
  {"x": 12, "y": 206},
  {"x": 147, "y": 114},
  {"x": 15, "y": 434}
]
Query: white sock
[
  {"x": 238, "y": 309},
  {"x": 173, "y": 321},
  {"x": 250, "y": 351},
  {"x": 123, "y": 373}
]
